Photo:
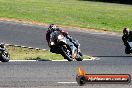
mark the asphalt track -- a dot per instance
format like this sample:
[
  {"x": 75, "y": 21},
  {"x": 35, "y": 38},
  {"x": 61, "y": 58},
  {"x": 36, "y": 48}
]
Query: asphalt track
[{"x": 108, "y": 49}]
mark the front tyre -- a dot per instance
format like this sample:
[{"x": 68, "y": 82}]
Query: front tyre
[
  {"x": 5, "y": 57},
  {"x": 66, "y": 54}
]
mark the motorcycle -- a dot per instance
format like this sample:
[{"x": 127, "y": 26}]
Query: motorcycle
[
  {"x": 4, "y": 55},
  {"x": 61, "y": 45}
]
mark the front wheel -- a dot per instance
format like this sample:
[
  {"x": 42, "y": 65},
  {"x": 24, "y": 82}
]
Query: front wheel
[
  {"x": 66, "y": 54},
  {"x": 5, "y": 57}
]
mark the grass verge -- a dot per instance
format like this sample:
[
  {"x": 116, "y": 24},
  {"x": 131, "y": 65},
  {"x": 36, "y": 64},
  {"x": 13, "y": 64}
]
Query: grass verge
[
  {"x": 18, "y": 53},
  {"x": 78, "y": 13}
]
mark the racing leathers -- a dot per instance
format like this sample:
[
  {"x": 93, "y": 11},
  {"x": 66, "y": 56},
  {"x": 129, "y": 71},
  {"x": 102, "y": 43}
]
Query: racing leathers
[
  {"x": 125, "y": 39},
  {"x": 48, "y": 37}
]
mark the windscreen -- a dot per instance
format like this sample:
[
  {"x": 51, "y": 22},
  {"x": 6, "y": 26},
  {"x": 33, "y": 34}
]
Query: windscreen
[{"x": 130, "y": 38}]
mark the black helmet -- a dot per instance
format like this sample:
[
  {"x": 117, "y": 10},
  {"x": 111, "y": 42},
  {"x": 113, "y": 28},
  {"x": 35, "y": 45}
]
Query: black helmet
[
  {"x": 2, "y": 45},
  {"x": 126, "y": 31},
  {"x": 52, "y": 27}
]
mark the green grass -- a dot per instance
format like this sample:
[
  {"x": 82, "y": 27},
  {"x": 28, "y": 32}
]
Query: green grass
[
  {"x": 18, "y": 53},
  {"x": 84, "y": 14}
]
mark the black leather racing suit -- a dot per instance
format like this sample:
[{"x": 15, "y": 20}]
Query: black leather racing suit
[
  {"x": 125, "y": 39},
  {"x": 64, "y": 33}
]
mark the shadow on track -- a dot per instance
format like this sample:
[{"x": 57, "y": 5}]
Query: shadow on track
[{"x": 111, "y": 56}]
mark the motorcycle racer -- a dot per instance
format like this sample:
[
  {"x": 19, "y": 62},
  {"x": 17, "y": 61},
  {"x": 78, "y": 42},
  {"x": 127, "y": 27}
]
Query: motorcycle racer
[
  {"x": 125, "y": 36},
  {"x": 52, "y": 28},
  {"x": 60, "y": 42}
]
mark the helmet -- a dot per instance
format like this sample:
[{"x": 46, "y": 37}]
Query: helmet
[
  {"x": 2, "y": 45},
  {"x": 126, "y": 31},
  {"x": 52, "y": 27}
]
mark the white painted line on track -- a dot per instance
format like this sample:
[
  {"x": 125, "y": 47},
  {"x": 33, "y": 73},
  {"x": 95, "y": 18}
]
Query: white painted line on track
[
  {"x": 83, "y": 60},
  {"x": 97, "y": 58},
  {"x": 93, "y": 58},
  {"x": 67, "y": 60},
  {"x": 24, "y": 46},
  {"x": 37, "y": 60},
  {"x": 59, "y": 60},
  {"x": 67, "y": 82},
  {"x": 20, "y": 60}
]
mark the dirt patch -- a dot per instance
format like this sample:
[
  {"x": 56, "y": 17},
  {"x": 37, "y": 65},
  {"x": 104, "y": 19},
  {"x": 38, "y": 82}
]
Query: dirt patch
[{"x": 61, "y": 26}]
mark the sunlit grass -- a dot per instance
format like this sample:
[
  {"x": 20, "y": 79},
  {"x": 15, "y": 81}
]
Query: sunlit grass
[
  {"x": 84, "y": 14},
  {"x": 18, "y": 53}
]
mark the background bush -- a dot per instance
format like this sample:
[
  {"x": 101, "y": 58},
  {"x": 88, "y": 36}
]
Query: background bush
[{"x": 114, "y": 1}]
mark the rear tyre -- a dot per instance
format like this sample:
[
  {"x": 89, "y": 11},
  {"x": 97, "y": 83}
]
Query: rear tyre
[
  {"x": 127, "y": 50},
  {"x": 80, "y": 57}
]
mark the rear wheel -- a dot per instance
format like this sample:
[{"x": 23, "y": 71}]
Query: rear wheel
[
  {"x": 80, "y": 57},
  {"x": 127, "y": 50}
]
